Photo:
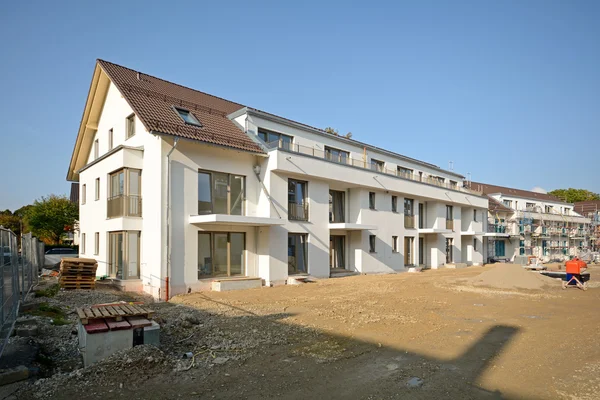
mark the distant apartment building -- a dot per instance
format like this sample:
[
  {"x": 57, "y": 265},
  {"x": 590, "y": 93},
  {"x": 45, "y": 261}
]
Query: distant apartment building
[
  {"x": 526, "y": 223},
  {"x": 180, "y": 189},
  {"x": 591, "y": 210}
]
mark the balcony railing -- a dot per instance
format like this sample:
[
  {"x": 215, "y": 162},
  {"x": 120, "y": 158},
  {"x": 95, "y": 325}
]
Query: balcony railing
[
  {"x": 365, "y": 164},
  {"x": 124, "y": 206},
  {"x": 497, "y": 228},
  {"x": 450, "y": 224},
  {"x": 298, "y": 212},
  {"x": 409, "y": 221}
]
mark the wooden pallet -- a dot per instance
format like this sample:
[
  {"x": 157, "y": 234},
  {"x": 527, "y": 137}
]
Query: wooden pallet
[
  {"x": 78, "y": 273},
  {"x": 112, "y": 311}
]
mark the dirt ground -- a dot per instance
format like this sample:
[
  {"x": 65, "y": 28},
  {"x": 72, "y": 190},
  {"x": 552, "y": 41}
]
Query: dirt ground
[{"x": 428, "y": 335}]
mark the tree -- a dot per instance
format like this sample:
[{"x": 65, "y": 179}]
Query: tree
[
  {"x": 49, "y": 216},
  {"x": 571, "y": 195},
  {"x": 10, "y": 221},
  {"x": 332, "y": 131}
]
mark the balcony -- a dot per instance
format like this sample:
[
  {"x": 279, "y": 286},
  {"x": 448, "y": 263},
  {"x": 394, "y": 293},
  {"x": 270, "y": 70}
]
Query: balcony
[
  {"x": 409, "y": 221},
  {"x": 124, "y": 206},
  {"x": 298, "y": 212},
  {"x": 450, "y": 224},
  {"x": 365, "y": 164}
]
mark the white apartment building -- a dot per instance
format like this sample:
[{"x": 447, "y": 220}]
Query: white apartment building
[
  {"x": 180, "y": 189},
  {"x": 524, "y": 223}
]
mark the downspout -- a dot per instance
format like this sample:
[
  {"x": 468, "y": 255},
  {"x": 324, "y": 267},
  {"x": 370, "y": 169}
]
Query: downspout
[{"x": 167, "y": 283}]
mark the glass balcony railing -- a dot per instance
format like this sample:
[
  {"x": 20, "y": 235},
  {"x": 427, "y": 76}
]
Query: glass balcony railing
[{"x": 124, "y": 206}]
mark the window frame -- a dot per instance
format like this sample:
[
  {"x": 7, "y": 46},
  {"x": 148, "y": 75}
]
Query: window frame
[
  {"x": 96, "y": 243},
  {"x": 449, "y": 212},
  {"x": 229, "y": 257},
  {"x": 342, "y": 157},
  {"x": 305, "y": 251},
  {"x": 195, "y": 121},
  {"x": 210, "y": 173},
  {"x": 411, "y": 202},
  {"x": 404, "y": 172},
  {"x": 280, "y": 137},
  {"x": 83, "y": 193},
  {"x": 110, "y": 139},
  {"x": 130, "y": 126},
  {"x": 97, "y": 189},
  {"x": 394, "y": 204},
  {"x": 474, "y": 215},
  {"x": 377, "y": 165},
  {"x": 96, "y": 149},
  {"x": 395, "y": 244},
  {"x": 82, "y": 247},
  {"x": 372, "y": 244},
  {"x": 372, "y": 201},
  {"x": 113, "y": 270},
  {"x": 304, "y": 204},
  {"x": 475, "y": 244}
]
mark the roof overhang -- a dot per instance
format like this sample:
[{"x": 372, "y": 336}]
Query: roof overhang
[
  {"x": 434, "y": 230},
  {"x": 239, "y": 220},
  {"x": 342, "y": 226},
  {"x": 89, "y": 122},
  {"x": 471, "y": 233}
]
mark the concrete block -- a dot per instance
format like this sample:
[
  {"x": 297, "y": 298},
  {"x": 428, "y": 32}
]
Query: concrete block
[
  {"x": 97, "y": 346},
  {"x": 236, "y": 284},
  {"x": 28, "y": 330},
  {"x": 152, "y": 334},
  {"x": 19, "y": 373},
  {"x": 456, "y": 265}
]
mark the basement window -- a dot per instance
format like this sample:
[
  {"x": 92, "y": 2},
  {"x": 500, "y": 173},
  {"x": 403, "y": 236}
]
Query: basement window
[{"x": 187, "y": 117}]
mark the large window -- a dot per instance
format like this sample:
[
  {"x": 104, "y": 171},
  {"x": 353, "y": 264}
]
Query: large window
[
  {"x": 275, "y": 139},
  {"x": 409, "y": 258},
  {"x": 124, "y": 254},
  {"x": 336, "y": 206},
  {"x": 421, "y": 216},
  {"x": 220, "y": 193},
  {"x": 297, "y": 200},
  {"x": 409, "y": 213},
  {"x": 124, "y": 197},
  {"x": 404, "y": 172},
  {"x": 297, "y": 253},
  {"x": 337, "y": 155},
  {"x": 377, "y": 165},
  {"x": 499, "y": 248},
  {"x": 449, "y": 217},
  {"x": 221, "y": 253}
]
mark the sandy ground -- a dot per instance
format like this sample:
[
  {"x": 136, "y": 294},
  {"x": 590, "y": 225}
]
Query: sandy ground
[{"x": 368, "y": 337}]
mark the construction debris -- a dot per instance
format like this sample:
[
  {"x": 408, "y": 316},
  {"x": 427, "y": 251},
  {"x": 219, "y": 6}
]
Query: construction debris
[{"x": 78, "y": 273}]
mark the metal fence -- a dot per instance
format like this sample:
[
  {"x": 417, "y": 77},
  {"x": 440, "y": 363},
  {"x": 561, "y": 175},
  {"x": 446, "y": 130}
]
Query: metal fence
[{"x": 20, "y": 270}]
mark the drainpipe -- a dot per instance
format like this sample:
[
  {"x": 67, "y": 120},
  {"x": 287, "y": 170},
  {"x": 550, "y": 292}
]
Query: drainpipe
[{"x": 167, "y": 283}]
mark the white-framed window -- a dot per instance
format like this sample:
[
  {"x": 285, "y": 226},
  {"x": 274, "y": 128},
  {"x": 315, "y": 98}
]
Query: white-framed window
[
  {"x": 110, "y": 139},
  {"x": 83, "y": 193},
  {"x": 394, "y": 203},
  {"x": 82, "y": 243},
  {"x": 96, "y": 149},
  {"x": 394, "y": 244},
  {"x": 97, "y": 189}
]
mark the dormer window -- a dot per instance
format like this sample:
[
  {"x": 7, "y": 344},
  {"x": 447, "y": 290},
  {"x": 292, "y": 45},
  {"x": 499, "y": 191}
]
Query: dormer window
[{"x": 187, "y": 117}]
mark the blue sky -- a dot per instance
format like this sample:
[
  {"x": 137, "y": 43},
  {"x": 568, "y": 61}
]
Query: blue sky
[{"x": 507, "y": 90}]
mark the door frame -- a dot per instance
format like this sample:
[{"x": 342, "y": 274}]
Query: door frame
[
  {"x": 332, "y": 250},
  {"x": 212, "y": 254}
]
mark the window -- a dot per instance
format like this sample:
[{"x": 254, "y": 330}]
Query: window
[
  {"x": 336, "y": 206},
  {"x": 475, "y": 215},
  {"x": 549, "y": 209},
  {"x": 124, "y": 254},
  {"x": 297, "y": 200},
  {"x": 220, "y": 193},
  {"x": 507, "y": 203},
  {"x": 97, "y": 189},
  {"x": 83, "y": 193},
  {"x": 394, "y": 203},
  {"x": 96, "y": 149},
  {"x": 521, "y": 247},
  {"x": 499, "y": 248},
  {"x": 404, "y": 172},
  {"x": 275, "y": 139},
  {"x": 409, "y": 210},
  {"x": 449, "y": 213},
  {"x": 110, "y": 138},
  {"x": 372, "y": 200},
  {"x": 337, "y": 155},
  {"x": 187, "y": 116},
  {"x": 96, "y": 243},
  {"x": 421, "y": 216},
  {"x": 124, "y": 193},
  {"x": 130, "y": 126},
  {"x": 529, "y": 206},
  {"x": 453, "y": 184},
  {"x": 82, "y": 243},
  {"x": 297, "y": 253},
  {"x": 371, "y": 243},
  {"x": 409, "y": 243},
  {"x": 221, "y": 253},
  {"x": 377, "y": 165},
  {"x": 474, "y": 244},
  {"x": 438, "y": 180},
  {"x": 394, "y": 244},
  {"x": 567, "y": 211}
]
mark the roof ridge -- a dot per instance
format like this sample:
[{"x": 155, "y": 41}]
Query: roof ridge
[{"x": 171, "y": 83}]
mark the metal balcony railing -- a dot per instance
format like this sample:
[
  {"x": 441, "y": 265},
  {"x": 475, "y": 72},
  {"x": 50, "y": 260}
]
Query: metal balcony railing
[
  {"x": 298, "y": 212},
  {"x": 365, "y": 164},
  {"x": 450, "y": 224},
  {"x": 124, "y": 206},
  {"x": 409, "y": 221},
  {"x": 497, "y": 228}
]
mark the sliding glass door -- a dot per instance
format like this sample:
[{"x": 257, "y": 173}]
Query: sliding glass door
[
  {"x": 221, "y": 254},
  {"x": 124, "y": 254}
]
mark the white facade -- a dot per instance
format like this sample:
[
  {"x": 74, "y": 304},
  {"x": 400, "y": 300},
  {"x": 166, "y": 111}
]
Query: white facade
[
  {"x": 446, "y": 224},
  {"x": 541, "y": 228}
]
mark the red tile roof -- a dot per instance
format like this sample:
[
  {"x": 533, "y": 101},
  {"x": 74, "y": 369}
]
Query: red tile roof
[
  {"x": 489, "y": 189},
  {"x": 152, "y": 99}
]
